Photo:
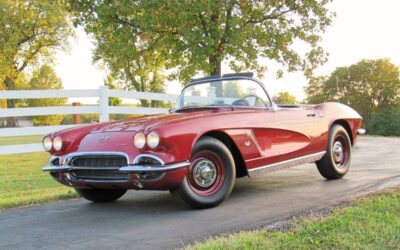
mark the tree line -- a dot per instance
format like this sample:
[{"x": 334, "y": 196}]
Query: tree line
[
  {"x": 372, "y": 87},
  {"x": 144, "y": 43}
]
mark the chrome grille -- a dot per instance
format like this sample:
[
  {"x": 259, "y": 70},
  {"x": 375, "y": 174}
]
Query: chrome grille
[
  {"x": 105, "y": 168},
  {"x": 99, "y": 175},
  {"x": 99, "y": 161}
]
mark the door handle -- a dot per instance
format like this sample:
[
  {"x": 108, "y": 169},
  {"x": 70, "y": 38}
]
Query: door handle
[{"x": 311, "y": 115}]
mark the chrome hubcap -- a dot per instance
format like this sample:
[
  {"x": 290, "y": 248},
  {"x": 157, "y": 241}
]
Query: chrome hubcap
[
  {"x": 204, "y": 173},
  {"x": 338, "y": 151}
]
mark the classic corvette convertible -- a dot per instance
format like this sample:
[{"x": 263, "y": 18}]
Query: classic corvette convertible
[{"x": 220, "y": 129}]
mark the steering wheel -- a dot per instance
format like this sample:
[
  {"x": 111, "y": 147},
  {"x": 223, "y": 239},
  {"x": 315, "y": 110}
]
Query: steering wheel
[{"x": 243, "y": 102}]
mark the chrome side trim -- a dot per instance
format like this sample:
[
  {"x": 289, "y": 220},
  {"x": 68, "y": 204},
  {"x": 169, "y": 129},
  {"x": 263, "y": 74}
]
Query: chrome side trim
[
  {"x": 253, "y": 137},
  {"x": 150, "y": 168},
  {"x": 288, "y": 163}
]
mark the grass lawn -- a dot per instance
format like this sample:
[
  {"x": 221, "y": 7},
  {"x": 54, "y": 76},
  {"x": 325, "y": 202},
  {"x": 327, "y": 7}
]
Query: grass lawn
[
  {"x": 15, "y": 140},
  {"x": 23, "y": 183},
  {"x": 370, "y": 223}
]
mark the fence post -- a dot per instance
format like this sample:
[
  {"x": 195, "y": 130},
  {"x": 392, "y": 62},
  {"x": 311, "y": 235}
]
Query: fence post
[
  {"x": 103, "y": 104},
  {"x": 76, "y": 118}
]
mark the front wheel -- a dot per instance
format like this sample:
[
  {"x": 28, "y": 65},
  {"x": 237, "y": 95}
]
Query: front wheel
[
  {"x": 101, "y": 195},
  {"x": 211, "y": 175},
  {"x": 336, "y": 161}
]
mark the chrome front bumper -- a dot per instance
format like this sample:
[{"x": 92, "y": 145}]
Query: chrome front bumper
[
  {"x": 135, "y": 168},
  {"x": 125, "y": 169}
]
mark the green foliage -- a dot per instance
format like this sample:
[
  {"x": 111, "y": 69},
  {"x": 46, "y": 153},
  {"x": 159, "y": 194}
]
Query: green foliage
[
  {"x": 285, "y": 98},
  {"x": 30, "y": 30},
  {"x": 232, "y": 89},
  {"x": 46, "y": 78},
  {"x": 372, "y": 223},
  {"x": 133, "y": 63},
  {"x": 196, "y": 36},
  {"x": 369, "y": 86},
  {"x": 386, "y": 122}
]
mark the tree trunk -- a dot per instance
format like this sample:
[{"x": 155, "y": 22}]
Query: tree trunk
[
  {"x": 215, "y": 63},
  {"x": 216, "y": 71},
  {"x": 9, "y": 83}
]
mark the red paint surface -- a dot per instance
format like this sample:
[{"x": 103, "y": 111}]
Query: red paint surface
[{"x": 281, "y": 135}]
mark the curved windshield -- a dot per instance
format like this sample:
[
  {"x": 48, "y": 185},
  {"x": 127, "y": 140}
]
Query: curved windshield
[{"x": 224, "y": 92}]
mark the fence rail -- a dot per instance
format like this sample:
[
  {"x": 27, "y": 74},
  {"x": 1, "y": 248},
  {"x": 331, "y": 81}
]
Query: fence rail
[{"x": 103, "y": 109}]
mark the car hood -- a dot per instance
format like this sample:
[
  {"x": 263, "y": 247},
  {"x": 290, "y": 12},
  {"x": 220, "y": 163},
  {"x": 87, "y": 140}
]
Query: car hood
[{"x": 150, "y": 121}]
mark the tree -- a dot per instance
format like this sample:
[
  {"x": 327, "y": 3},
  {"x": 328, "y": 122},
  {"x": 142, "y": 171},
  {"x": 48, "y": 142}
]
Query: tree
[
  {"x": 368, "y": 86},
  {"x": 46, "y": 78},
  {"x": 196, "y": 36},
  {"x": 386, "y": 122},
  {"x": 29, "y": 32},
  {"x": 133, "y": 62},
  {"x": 285, "y": 98}
]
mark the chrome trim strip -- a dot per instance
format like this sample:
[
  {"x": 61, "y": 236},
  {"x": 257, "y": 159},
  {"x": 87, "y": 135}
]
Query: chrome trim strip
[
  {"x": 54, "y": 158},
  {"x": 253, "y": 137},
  {"x": 150, "y": 168},
  {"x": 269, "y": 107},
  {"x": 52, "y": 168},
  {"x": 96, "y": 181},
  {"x": 289, "y": 163},
  {"x": 136, "y": 160}
]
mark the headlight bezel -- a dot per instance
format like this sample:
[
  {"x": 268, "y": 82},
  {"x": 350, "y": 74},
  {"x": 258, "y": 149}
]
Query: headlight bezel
[
  {"x": 47, "y": 144},
  {"x": 153, "y": 139},
  {"x": 139, "y": 140},
  {"x": 57, "y": 143}
]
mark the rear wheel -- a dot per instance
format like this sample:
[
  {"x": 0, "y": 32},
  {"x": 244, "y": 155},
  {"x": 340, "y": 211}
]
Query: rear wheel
[
  {"x": 211, "y": 175},
  {"x": 101, "y": 195},
  {"x": 336, "y": 162}
]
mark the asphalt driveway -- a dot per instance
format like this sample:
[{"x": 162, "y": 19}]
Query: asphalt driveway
[{"x": 152, "y": 220}]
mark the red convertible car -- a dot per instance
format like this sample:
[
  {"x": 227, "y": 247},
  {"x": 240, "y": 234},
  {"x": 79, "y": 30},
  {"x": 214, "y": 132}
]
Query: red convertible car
[{"x": 221, "y": 128}]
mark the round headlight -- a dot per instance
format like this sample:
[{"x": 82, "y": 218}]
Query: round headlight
[
  {"x": 139, "y": 140},
  {"x": 153, "y": 139},
  {"x": 57, "y": 143},
  {"x": 47, "y": 144}
]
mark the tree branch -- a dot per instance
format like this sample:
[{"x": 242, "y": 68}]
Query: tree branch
[
  {"x": 32, "y": 55},
  {"x": 273, "y": 15}
]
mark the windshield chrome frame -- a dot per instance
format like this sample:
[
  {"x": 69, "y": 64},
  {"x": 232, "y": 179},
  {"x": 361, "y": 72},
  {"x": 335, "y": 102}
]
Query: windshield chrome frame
[{"x": 270, "y": 107}]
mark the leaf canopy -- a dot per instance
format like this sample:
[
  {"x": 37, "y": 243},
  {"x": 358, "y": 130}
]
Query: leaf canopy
[{"x": 194, "y": 37}]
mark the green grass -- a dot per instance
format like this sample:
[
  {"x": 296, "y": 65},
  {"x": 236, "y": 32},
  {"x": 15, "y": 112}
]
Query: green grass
[
  {"x": 370, "y": 223},
  {"x": 23, "y": 183},
  {"x": 15, "y": 140}
]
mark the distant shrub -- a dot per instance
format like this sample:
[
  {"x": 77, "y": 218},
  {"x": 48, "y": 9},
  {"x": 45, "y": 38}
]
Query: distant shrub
[{"x": 386, "y": 122}]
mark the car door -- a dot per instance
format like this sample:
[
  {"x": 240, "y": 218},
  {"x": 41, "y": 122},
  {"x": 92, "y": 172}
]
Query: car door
[{"x": 299, "y": 128}]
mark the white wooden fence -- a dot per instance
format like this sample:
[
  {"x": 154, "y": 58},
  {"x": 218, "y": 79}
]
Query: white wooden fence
[{"x": 103, "y": 109}]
